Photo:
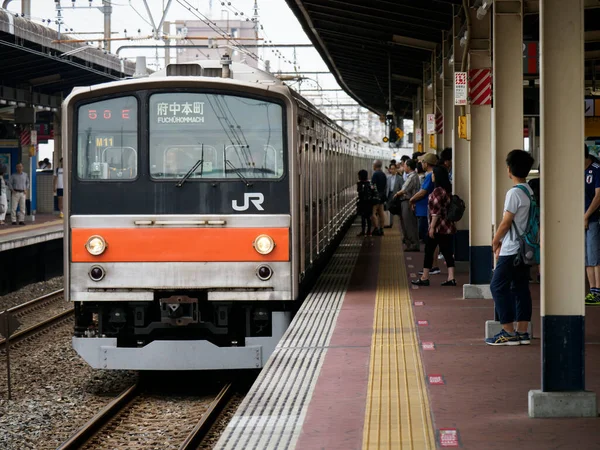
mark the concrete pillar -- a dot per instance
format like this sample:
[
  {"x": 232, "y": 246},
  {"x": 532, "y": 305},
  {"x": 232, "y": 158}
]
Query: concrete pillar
[
  {"x": 167, "y": 32},
  {"x": 26, "y": 8},
  {"x": 448, "y": 95},
  {"x": 428, "y": 104},
  {"x": 562, "y": 303},
  {"x": 480, "y": 169},
  {"x": 508, "y": 94},
  {"x": 439, "y": 100},
  {"x": 460, "y": 160}
]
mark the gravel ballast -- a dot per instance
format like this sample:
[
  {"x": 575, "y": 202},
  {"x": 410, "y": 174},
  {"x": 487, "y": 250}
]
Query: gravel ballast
[{"x": 30, "y": 292}]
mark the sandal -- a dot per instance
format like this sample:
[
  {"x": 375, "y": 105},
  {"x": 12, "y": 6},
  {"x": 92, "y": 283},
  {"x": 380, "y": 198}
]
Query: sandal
[
  {"x": 449, "y": 283},
  {"x": 420, "y": 282}
]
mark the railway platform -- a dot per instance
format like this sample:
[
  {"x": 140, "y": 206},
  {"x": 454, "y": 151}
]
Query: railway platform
[
  {"x": 370, "y": 363},
  {"x": 30, "y": 253}
]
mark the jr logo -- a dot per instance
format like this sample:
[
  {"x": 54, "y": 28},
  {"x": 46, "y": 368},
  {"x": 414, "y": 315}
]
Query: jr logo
[{"x": 257, "y": 200}]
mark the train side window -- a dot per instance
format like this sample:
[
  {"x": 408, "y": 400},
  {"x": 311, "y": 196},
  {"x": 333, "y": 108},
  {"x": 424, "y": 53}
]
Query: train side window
[{"x": 107, "y": 139}]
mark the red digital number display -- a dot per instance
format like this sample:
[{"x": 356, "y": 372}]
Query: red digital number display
[{"x": 107, "y": 114}]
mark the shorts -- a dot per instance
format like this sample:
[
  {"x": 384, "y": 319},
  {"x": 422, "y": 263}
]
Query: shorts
[
  {"x": 592, "y": 244},
  {"x": 59, "y": 192}
]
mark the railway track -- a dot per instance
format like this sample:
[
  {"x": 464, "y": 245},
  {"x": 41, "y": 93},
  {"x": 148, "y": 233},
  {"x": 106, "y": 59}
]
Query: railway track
[
  {"x": 33, "y": 308},
  {"x": 136, "y": 419}
]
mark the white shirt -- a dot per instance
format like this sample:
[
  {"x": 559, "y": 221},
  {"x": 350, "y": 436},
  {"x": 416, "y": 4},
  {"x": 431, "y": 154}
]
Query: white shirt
[
  {"x": 59, "y": 178},
  {"x": 518, "y": 204}
]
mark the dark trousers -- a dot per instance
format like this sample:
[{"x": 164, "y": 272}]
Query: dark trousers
[
  {"x": 445, "y": 243},
  {"x": 510, "y": 289},
  {"x": 366, "y": 222},
  {"x": 423, "y": 227}
]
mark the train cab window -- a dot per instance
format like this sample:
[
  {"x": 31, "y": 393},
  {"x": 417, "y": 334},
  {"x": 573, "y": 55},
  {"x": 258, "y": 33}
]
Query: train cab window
[
  {"x": 107, "y": 138},
  {"x": 215, "y": 136}
]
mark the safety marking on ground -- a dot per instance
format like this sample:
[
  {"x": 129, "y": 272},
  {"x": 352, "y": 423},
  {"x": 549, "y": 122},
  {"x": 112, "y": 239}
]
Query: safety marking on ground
[
  {"x": 415, "y": 287},
  {"x": 409, "y": 258},
  {"x": 428, "y": 346},
  {"x": 25, "y": 228},
  {"x": 436, "y": 380},
  {"x": 398, "y": 414},
  {"x": 410, "y": 266},
  {"x": 422, "y": 323},
  {"x": 448, "y": 437},
  {"x": 419, "y": 303},
  {"x": 413, "y": 275}
]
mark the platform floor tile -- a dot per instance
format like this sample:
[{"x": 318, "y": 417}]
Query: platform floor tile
[
  {"x": 398, "y": 414},
  {"x": 271, "y": 415}
]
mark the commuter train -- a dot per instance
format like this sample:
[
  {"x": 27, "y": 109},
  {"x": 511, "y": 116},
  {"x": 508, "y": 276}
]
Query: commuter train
[{"x": 200, "y": 202}]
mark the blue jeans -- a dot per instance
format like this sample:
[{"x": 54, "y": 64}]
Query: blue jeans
[{"x": 510, "y": 289}]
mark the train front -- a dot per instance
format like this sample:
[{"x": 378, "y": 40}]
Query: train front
[{"x": 179, "y": 224}]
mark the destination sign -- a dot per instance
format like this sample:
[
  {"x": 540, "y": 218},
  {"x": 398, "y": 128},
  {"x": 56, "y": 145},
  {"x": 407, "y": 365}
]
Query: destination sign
[{"x": 179, "y": 112}]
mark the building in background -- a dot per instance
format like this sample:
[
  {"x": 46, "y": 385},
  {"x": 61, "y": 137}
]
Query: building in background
[{"x": 242, "y": 31}]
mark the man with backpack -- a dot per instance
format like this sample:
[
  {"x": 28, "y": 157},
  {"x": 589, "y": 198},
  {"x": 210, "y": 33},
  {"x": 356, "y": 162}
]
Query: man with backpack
[
  {"x": 592, "y": 227},
  {"x": 516, "y": 247}
]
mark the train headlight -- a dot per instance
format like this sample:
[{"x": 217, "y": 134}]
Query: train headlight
[
  {"x": 95, "y": 245},
  {"x": 264, "y": 244}
]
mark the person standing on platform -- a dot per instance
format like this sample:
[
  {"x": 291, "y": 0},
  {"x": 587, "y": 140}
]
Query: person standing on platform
[
  {"x": 3, "y": 197},
  {"x": 403, "y": 164},
  {"x": 59, "y": 187},
  {"x": 394, "y": 184},
  {"x": 441, "y": 230},
  {"x": 364, "y": 206},
  {"x": 421, "y": 199},
  {"x": 379, "y": 182},
  {"x": 592, "y": 227},
  {"x": 408, "y": 220},
  {"x": 510, "y": 282},
  {"x": 18, "y": 183}
]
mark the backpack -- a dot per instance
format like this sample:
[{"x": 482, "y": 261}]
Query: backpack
[
  {"x": 529, "y": 240},
  {"x": 456, "y": 209},
  {"x": 394, "y": 207}
]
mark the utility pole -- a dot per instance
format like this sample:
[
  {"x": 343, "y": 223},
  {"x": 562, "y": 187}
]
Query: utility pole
[{"x": 107, "y": 10}]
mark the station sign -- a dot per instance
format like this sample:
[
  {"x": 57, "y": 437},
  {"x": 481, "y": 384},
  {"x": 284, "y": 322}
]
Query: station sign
[
  {"x": 419, "y": 135},
  {"x": 460, "y": 88},
  {"x": 430, "y": 123}
]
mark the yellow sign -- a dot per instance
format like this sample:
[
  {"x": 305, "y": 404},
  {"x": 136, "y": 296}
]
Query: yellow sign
[
  {"x": 462, "y": 127},
  {"x": 399, "y": 133},
  {"x": 432, "y": 141},
  {"x": 420, "y": 148},
  {"x": 32, "y": 150},
  {"x": 385, "y": 139}
]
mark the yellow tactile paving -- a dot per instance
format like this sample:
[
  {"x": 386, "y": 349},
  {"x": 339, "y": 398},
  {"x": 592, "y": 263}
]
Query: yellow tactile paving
[
  {"x": 398, "y": 414},
  {"x": 12, "y": 229}
]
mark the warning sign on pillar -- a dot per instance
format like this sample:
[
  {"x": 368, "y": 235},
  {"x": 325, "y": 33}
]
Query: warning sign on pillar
[
  {"x": 419, "y": 135},
  {"x": 460, "y": 88},
  {"x": 430, "y": 123},
  {"x": 480, "y": 86},
  {"x": 448, "y": 437}
]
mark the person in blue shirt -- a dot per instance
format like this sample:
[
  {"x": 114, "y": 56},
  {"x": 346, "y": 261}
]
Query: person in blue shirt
[
  {"x": 420, "y": 199},
  {"x": 592, "y": 226}
]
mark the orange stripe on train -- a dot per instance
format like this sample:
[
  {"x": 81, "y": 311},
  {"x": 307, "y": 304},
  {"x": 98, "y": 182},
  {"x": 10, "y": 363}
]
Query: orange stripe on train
[{"x": 179, "y": 244}]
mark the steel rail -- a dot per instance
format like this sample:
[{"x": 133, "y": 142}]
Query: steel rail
[
  {"x": 201, "y": 429},
  {"x": 23, "y": 306},
  {"x": 33, "y": 329},
  {"x": 92, "y": 426}
]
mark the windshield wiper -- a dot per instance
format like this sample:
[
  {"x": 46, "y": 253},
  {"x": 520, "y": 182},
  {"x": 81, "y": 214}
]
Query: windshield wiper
[
  {"x": 190, "y": 172},
  {"x": 238, "y": 173}
]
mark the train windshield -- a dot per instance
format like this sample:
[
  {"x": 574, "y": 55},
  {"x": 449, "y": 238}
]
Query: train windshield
[
  {"x": 231, "y": 136},
  {"x": 107, "y": 140}
]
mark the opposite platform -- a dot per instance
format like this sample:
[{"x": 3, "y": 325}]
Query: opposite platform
[{"x": 46, "y": 227}]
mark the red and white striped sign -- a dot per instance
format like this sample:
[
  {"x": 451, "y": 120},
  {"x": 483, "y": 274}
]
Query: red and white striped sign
[
  {"x": 25, "y": 138},
  {"x": 480, "y": 84},
  {"x": 439, "y": 123}
]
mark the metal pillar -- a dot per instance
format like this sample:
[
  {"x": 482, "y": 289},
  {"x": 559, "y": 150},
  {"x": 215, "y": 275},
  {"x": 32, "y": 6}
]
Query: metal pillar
[
  {"x": 480, "y": 150},
  {"x": 26, "y": 8},
  {"x": 167, "y": 32},
  {"x": 508, "y": 94},
  {"x": 419, "y": 119},
  {"x": 439, "y": 101},
  {"x": 562, "y": 303},
  {"x": 107, "y": 10},
  {"x": 460, "y": 160},
  {"x": 448, "y": 95}
]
